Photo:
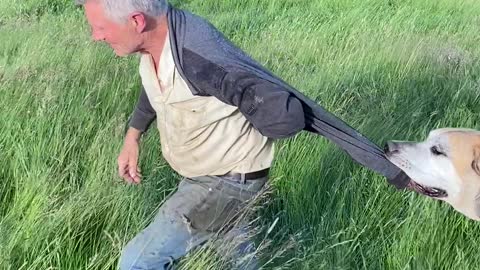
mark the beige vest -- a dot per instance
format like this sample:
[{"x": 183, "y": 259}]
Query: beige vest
[{"x": 200, "y": 135}]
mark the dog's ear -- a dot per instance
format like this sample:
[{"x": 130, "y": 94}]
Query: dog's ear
[
  {"x": 476, "y": 169},
  {"x": 477, "y": 204},
  {"x": 476, "y": 159}
]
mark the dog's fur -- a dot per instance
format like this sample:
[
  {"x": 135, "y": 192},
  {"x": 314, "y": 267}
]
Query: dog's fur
[{"x": 446, "y": 166}]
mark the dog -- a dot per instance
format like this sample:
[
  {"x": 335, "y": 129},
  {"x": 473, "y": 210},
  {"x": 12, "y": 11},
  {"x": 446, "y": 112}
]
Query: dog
[{"x": 446, "y": 166}]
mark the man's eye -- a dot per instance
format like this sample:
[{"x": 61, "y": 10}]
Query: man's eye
[{"x": 436, "y": 151}]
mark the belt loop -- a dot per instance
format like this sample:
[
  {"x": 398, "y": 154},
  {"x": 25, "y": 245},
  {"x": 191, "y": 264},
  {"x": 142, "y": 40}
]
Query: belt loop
[{"x": 243, "y": 178}]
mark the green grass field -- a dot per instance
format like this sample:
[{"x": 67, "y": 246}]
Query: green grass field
[{"x": 394, "y": 69}]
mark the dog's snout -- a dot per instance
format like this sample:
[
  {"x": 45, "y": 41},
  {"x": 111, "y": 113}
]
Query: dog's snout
[
  {"x": 385, "y": 148},
  {"x": 391, "y": 147}
]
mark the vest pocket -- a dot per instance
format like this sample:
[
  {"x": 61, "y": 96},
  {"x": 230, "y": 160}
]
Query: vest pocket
[{"x": 188, "y": 115}]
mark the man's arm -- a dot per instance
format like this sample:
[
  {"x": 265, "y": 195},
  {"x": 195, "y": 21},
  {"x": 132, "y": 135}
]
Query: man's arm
[
  {"x": 128, "y": 168},
  {"x": 270, "y": 108},
  {"x": 140, "y": 120},
  {"x": 278, "y": 113},
  {"x": 143, "y": 115}
]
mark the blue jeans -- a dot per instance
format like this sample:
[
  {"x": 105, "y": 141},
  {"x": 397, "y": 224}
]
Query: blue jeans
[{"x": 200, "y": 208}]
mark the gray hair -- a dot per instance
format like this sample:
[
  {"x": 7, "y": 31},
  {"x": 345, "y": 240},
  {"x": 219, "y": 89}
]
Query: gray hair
[{"x": 118, "y": 10}]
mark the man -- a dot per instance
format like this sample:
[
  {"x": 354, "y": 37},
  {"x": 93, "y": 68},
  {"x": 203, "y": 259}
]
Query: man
[{"x": 218, "y": 112}]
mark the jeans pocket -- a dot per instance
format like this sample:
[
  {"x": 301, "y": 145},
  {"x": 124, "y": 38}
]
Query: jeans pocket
[{"x": 216, "y": 211}]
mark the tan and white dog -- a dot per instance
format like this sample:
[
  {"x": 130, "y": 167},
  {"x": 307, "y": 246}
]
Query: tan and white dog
[{"x": 446, "y": 166}]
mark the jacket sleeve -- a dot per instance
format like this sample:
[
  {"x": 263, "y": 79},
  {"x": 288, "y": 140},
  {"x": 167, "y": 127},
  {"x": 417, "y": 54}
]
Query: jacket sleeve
[
  {"x": 278, "y": 113},
  {"x": 143, "y": 114},
  {"x": 270, "y": 108}
]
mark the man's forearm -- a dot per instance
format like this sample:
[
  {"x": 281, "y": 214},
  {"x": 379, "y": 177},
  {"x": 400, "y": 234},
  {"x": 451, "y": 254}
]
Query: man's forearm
[{"x": 143, "y": 115}]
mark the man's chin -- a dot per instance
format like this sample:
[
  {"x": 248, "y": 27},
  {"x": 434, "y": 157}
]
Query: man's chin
[{"x": 120, "y": 53}]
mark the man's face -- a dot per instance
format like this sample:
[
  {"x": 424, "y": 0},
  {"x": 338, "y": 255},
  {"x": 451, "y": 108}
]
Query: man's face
[{"x": 122, "y": 37}]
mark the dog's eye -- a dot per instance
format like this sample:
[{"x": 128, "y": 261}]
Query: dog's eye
[{"x": 436, "y": 151}]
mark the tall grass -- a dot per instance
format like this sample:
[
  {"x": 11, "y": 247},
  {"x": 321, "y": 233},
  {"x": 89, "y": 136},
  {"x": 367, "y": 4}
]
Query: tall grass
[{"x": 392, "y": 69}]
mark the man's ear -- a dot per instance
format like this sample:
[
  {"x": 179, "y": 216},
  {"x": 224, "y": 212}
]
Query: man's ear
[{"x": 139, "y": 21}]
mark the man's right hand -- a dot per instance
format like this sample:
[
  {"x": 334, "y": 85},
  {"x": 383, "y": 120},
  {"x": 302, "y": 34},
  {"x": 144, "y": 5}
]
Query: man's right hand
[{"x": 128, "y": 159}]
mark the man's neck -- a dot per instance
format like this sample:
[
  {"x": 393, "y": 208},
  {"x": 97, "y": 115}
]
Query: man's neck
[{"x": 155, "y": 40}]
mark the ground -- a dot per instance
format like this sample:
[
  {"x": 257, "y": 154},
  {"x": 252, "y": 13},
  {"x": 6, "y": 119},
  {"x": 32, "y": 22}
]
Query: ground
[{"x": 391, "y": 69}]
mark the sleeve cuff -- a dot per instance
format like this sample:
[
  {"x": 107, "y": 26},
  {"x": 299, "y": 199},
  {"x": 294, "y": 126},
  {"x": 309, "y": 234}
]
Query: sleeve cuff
[{"x": 140, "y": 120}]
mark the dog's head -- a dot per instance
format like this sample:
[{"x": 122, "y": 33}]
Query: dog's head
[{"x": 446, "y": 166}]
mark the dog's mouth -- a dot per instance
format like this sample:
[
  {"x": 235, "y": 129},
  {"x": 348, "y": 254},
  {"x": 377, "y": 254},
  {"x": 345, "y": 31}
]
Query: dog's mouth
[
  {"x": 391, "y": 150},
  {"x": 427, "y": 191}
]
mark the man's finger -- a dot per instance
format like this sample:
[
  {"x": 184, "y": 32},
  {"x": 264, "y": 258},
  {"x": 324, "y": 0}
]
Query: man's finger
[
  {"x": 122, "y": 170},
  {"x": 128, "y": 179},
  {"x": 122, "y": 167},
  {"x": 134, "y": 175},
  {"x": 132, "y": 168},
  {"x": 136, "y": 179},
  {"x": 124, "y": 173}
]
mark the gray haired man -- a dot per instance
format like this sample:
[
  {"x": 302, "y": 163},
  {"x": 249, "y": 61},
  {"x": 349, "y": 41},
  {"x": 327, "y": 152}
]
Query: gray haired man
[{"x": 218, "y": 112}]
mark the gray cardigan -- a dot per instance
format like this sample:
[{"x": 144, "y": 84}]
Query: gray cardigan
[{"x": 212, "y": 66}]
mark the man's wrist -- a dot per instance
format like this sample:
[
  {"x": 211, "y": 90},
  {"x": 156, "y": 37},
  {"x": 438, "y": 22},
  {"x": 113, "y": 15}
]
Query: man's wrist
[{"x": 133, "y": 135}]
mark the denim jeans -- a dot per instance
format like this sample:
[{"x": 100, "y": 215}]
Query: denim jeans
[{"x": 199, "y": 209}]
